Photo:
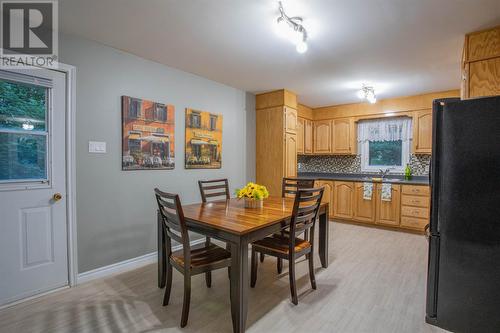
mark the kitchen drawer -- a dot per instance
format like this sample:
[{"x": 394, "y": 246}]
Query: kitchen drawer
[
  {"x": 415, "y": 212},
  {"x": 411, "y": 200},
  {"x": 416, "y": 190},
  {"x": 413, "y": 222}
]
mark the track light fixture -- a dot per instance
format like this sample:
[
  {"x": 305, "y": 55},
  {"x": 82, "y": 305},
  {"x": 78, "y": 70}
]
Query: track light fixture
[
  {"x": 368, "y": 93},
  {"x": 292, "y": 29}
]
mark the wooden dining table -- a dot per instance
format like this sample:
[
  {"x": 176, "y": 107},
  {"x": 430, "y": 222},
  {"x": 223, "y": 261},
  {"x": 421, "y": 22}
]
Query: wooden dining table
[{"x": 230, "y": 222}]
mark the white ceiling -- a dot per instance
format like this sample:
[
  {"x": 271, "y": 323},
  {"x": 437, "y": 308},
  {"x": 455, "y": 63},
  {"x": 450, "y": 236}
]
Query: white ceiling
[{"x": 402, "y": 47}]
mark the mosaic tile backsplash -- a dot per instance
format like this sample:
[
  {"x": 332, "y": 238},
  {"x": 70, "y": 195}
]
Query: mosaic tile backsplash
[{"x": 419, "y": 164}]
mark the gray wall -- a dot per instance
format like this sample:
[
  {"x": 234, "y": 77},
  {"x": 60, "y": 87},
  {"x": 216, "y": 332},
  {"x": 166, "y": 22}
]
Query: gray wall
[{"x": 116, "y": 209}]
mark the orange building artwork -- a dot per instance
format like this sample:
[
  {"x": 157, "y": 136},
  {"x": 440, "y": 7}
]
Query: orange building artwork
[
  {"x": 203, "y": 140},
  {"x": 147, "y": 135}
]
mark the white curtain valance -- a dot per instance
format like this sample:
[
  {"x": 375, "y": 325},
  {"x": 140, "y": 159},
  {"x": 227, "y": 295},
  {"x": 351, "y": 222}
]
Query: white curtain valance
[{"x": 389, "y": 129}]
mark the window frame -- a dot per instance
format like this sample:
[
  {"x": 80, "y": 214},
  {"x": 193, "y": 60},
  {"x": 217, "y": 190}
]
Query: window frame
[
  {"x": 196, "y": 115},
  {"x": 213, "y": 122},
  {"x": 364, "y": 149},
  {"x": 34, "y": 183}
]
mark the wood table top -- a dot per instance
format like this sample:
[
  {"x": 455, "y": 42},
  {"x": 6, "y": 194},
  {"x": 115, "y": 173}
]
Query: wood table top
[{"x": 232, "y": 216}]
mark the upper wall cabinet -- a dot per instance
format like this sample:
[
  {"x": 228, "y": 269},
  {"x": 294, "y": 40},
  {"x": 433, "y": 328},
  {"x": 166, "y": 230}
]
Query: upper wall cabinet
[
  {"x": 290, "y": 120},
  {"x": 304, "y": 136},
  {"x": 481, "y": 64},
  {"x": 322, "y": 136},
  {"x": 300, "y": 135},
  {"x": 422, "y": 132},
  {"x": 343, "y": 136}
]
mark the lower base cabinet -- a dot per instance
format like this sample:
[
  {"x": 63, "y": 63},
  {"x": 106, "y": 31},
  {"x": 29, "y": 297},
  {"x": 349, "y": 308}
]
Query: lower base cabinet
[
  {"x": 415, "y": 207},
  {"x": 388, "y": 211},
  {"x": 343, "y": 199},
  {"x": 364, "y": 209},
  {"x": 327, "y": 194},
  {"x": 407, "y": 209}
]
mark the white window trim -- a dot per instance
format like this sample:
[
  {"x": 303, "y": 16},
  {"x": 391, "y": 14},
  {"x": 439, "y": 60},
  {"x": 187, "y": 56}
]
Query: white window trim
[{"x": 365, "y": 156}]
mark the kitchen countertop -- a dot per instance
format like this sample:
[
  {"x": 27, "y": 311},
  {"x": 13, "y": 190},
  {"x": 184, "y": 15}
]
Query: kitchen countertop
[{"x": 363, "y": 177}]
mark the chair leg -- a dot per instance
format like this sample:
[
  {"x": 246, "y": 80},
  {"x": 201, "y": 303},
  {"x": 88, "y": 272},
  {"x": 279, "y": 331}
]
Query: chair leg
[
  {"x": 228, "y": 248},
  {"x": 187, "y": 299},
  {"x": 306, "y": 235},
  {"x": 262, "y": 257},
  {"x": 253, "y": 274},
  {"x": 208, "y": 279},
  {"x": 208, "y": 275},
  {"x": 168, "y": 286},
  {"x": 311, "y": 270},
  {"x": 293, "y": 285},
  {"x": 279, "y": 265}
]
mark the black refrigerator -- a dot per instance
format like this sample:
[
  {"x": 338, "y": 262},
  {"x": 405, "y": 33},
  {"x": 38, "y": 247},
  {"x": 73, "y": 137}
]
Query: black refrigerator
[{"x": 463, "y": 282}]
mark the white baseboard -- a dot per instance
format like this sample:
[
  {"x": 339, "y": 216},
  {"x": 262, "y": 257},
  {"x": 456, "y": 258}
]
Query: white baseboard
[{"x": 126, "y": 265}]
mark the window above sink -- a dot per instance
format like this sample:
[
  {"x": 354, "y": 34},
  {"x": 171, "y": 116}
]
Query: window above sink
[{"x": 385, "y": 143}]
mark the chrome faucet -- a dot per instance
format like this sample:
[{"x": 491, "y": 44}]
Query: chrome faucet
[{"x": 384, "y": 173}]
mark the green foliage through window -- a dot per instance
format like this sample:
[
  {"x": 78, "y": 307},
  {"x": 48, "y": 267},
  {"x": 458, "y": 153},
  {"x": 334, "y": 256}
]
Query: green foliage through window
[
  {"x": 385, "y": 153},
  {"x": 21, "y": 104},
  {"x": 23, "y": 137}
]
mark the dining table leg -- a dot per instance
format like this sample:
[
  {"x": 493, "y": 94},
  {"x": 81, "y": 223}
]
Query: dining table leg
[
  {"x": 162, "y": 264},
  {"x": 239, "y": 285},
  {"x": 323, "y": 237}
]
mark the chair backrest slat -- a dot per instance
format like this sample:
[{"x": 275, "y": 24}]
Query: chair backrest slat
[
  {"x": 289, "y": 186},
  {"x": 215, "y": 194},
  {"x": 210, "y": 189},
  {"x": 174, "y": 236},
  {"x": 170, "y": 208},
  {"x": 305, "y": 212}
]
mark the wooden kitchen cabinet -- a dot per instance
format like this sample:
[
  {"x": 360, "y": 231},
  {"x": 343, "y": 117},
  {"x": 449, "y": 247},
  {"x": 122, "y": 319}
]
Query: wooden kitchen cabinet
[
  {"x": 300, "y": 135},
  {"x": 343, "y": 136},
  {"x": 308, "y": 136},
  {"x": 388, "y": 211},
  {"x": 364, "y": 210},
  {"x": 415, "y": 207},
  {"x": 290, "y": 120},
  {"x": 481, "y": 64},
  {"x": 422, "y": 132},
  {"x": 484, "y": 77},
  {"x": 290, "y": 155},
  {"x": 327, "y": 194},
  {"x": 322, "y": 136},
  {"x": 343, "y": 200},
  {"x": 276, "y": 138}
]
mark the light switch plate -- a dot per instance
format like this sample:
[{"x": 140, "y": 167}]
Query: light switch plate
[{"x": 98, "y": 147}]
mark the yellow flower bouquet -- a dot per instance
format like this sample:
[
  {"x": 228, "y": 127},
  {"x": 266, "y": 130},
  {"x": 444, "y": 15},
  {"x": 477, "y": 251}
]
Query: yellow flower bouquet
[{"x": 253, "y": 194}]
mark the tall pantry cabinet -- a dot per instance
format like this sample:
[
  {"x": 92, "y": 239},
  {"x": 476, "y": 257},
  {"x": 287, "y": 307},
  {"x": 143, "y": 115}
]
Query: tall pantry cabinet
[{"x": 276, "y": 138}]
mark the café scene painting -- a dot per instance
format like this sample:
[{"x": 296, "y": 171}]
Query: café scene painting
[
  {"x": 203, "y": 140},
  {"x": 148, "y": 135}
]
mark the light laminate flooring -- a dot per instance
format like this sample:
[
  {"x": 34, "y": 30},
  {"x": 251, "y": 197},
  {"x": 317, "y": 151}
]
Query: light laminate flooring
[{"x": 375, "y": 283}]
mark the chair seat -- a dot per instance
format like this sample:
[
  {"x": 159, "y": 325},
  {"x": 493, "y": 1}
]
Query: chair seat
[
  {"x": 202, "y": 256},
  {"x": 279, "y": 244}
]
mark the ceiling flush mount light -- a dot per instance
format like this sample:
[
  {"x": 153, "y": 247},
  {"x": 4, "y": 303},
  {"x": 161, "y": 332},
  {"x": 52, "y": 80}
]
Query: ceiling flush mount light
[
  {"x": 368, "y": 93},
  {"x": 292, "y": 29}
]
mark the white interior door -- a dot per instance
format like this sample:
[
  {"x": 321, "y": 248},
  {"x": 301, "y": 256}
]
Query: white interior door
[{"x": 33, "y": 230}]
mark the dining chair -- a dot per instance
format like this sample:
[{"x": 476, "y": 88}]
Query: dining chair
[
  {"x": 289, "y": 187},
  {"x": 289, "y": 246},
  {"x": 190, "y": 260},
  {"x": 216, "y": 189}
]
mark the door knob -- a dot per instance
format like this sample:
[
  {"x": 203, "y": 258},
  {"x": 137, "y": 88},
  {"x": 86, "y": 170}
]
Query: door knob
[{"x": 57, "y": 196}]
